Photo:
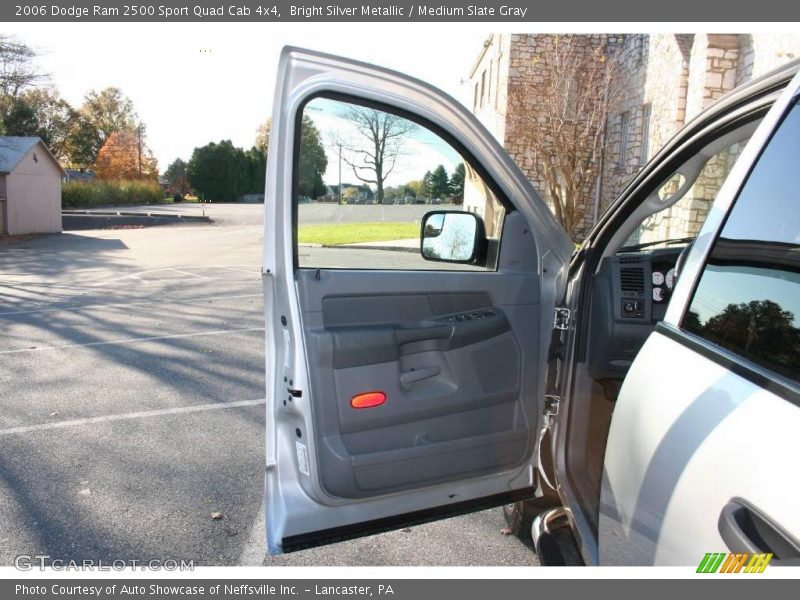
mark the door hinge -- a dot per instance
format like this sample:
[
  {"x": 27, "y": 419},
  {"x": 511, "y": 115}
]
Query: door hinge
[
  {"x": 551, "y": 405},
  {"x": 561, "y": 319}
]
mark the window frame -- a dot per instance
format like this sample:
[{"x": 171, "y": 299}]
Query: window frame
[
  {"x": 465, "y": 154},
  {"x": 757, "y": 374}
]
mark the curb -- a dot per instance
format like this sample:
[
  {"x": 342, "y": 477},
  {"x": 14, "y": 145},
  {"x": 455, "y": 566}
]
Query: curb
[
  {"x": 120, "y": 213},
  {"x": 84, "y": 220}
]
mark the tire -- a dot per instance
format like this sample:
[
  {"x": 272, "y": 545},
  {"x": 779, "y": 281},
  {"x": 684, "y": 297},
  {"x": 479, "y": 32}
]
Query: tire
[{"x": 519, "y": 517}]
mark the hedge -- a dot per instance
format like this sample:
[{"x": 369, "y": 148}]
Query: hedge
[{"x": 86, "y": 194}]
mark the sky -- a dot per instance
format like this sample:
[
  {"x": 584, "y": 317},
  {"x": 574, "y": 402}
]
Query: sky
[
  {"x": 421, "y": 150},
  {"x": 193, "y": 83}
]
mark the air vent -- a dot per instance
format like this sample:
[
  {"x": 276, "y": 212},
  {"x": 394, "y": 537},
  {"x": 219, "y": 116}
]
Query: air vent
[{"x": 632, "y": 279}]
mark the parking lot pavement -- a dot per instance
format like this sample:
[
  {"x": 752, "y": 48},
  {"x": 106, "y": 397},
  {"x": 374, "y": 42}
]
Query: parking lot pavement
[{"x": 131, "y": 369}]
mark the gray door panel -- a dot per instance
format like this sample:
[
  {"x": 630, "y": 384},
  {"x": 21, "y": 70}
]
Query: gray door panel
[{"x": 447, "y": 352}]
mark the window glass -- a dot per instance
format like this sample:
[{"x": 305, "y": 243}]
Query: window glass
[
  {"x": 645, "y": 149},
  {"x": 748, "y": 298},
  {"x": 685, "y": 218},
  {"x": 624, "y": 133},
  {"x": 365, "y": 180}
]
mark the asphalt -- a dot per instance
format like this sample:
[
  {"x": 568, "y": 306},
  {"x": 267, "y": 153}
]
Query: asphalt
[{"x": 131, "y": 364}]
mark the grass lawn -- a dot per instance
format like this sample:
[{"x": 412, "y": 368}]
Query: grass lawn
[{"x": 349, "y": 233}]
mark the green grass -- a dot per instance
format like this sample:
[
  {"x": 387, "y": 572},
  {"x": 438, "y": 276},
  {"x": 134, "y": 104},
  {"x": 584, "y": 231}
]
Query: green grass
[{"x": 349, "y": 233}]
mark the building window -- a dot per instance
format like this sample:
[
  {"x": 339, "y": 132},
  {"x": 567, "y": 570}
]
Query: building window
[
  {"x": 483, "y": 86},
  {"x": 489, "y": 87},
  {"x": 639, "y": 48},
  {"x": 624, "y": 138},
  {"x": 645, "y": 134}
]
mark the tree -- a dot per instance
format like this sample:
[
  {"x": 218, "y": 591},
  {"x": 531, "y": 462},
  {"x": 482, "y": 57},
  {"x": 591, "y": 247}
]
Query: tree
[
  {"x": 760, "y": 330},
  {"x": 313, "y": 161},
  {"x": 17, "y": 69},
  {"x": 256, "y": 171},
  {"x": 375, "y": 154},
  {"x": 82, "y": 143},
  {"x": 18, "y": 75},
  {"x": 42, "y": 112},
  {"x": 427, "y": 184},
  {"x": 20, "y": 119},
  {"x": 177, "y": 178},
  {"x": 439, "y": 183},
  {"x": 457, "y": 183},
  {"x": 415, "y": 188},
  {"x": 262, "y": 136},
  {"x": 218, "y": 172},
  {"x": 125, "y": 155},
  {"x": 407, "y": 190},
  {"x": 560, "y": 119},
  {"x": 101, "y": 114},
  {"x": 109, "y": 110}
]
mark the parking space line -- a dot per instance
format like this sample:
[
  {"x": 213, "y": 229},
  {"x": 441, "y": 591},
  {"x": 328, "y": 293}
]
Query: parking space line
[
  {"x": 134, "y": 275},
  {"x": 133, "y": 415},
  {"x": 132, "y": 340},
  {"x": 190, "y": 274},
  {"x": 124, "y": 304}
]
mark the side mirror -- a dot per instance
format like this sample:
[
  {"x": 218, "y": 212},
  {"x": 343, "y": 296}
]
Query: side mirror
[{"x": 450, "y": 236}]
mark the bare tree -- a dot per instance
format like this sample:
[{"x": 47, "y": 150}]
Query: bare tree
[
  {"x": 560, "y": 115},
  {"x": 376, "y": 154},
  {"x": 17, "y": 70}
]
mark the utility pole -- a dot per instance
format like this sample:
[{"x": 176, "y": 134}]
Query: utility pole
[
  {"x": 139, "y": 147},
  {"x": 339, "y": 187}
]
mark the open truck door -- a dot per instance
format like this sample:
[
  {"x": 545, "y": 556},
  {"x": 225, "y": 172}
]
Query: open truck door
[{"x": 403, "y": 384}]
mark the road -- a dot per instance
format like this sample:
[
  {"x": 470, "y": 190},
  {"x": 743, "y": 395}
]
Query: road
[{"x": 131, "y": 364}]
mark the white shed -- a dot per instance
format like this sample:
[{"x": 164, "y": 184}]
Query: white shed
[{"x": 30, "y": 187}]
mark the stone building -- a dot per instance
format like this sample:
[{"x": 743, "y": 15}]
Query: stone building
[{"x": 661, "y": 81}]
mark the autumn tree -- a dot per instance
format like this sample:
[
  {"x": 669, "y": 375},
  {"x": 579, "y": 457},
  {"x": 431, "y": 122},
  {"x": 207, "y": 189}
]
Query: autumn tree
[
  {"x": 102, "y": 114},
  {"x": 41, "y": 112},
  {"x": 262, "y": 136},
  {"x": 559, "y": 119},
  {"x": 124, "y": 155},
  {"x": 379, "y": 144}
]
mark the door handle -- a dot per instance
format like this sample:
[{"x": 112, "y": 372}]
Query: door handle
[
  {"x": 415, "y": 375},
  {"x": 422, "y": 334},
  {"x": 744, "y": 528}
]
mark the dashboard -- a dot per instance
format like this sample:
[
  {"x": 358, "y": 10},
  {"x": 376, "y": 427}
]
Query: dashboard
[{"x": 630, "y": 295}]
